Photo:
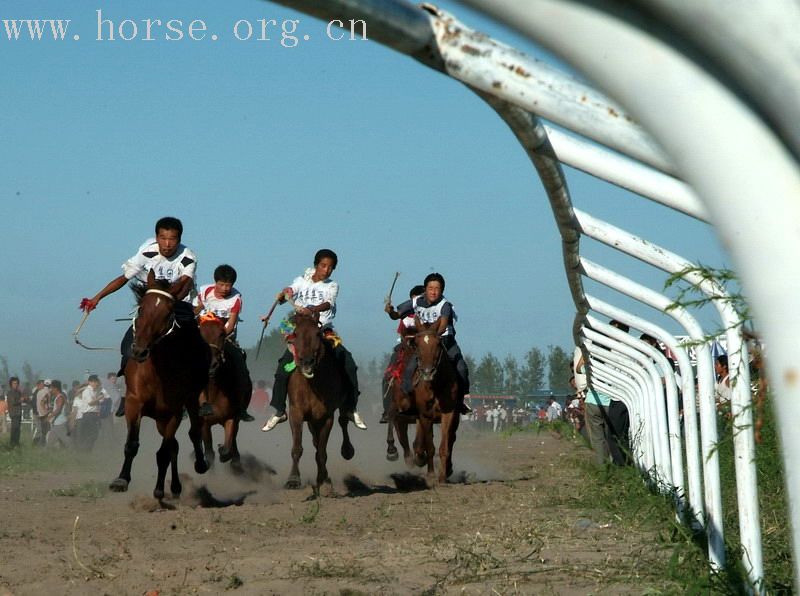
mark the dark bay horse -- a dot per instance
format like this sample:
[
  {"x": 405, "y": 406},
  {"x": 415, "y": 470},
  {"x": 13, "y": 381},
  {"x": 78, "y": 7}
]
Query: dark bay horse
[
  {"x": 437, "y": 399},
  {"x": 316, "y": 390},
  {"x": 167, "y": 371},
  {"x": 221, "y": 394}
]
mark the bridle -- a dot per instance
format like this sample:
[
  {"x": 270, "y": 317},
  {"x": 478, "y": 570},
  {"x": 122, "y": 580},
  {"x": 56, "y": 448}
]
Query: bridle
[
  {"x": 316, "y": 354},
  {"x": 173, "y": 322},
  {"x": 430, "y": 372}
]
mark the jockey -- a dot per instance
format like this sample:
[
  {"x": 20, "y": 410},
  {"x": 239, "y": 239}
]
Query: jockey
[
  {"x": 315, "y": 292},
  {"x": 222, "y": 300},
  {"x": 433, "y": 307},
  {"x": 406, "y": 322},
  {"x": 170, "y": 261}
]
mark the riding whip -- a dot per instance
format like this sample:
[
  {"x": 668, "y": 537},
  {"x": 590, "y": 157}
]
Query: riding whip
[
  {"x": 266, "y": 322},
  {"x": 86, "y": 312},
  {"x": 391, "y": 289}
]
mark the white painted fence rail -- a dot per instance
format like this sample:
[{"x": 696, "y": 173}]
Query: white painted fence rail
[{"x": 728, "y": 86}]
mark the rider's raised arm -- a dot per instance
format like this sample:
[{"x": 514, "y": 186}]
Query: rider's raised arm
[
  {"x": 111, "y": 287},
  {"x": 403, "y": 310}
]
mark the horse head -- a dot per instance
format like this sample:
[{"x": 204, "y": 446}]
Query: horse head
[
  {"x": 155, "y": 317},
  {"x": 212, "y": 329},
  {"x": 428, "y": 348},
  {"x": 308, "y": 344}
]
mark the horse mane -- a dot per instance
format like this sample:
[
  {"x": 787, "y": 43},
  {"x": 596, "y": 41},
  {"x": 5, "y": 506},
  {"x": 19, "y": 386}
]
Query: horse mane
[{"x": 140, "y": 290}]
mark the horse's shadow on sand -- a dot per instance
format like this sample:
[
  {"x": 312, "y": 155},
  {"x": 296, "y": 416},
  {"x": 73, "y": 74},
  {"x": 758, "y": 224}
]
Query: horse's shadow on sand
[{"x": 405, "y": 482}]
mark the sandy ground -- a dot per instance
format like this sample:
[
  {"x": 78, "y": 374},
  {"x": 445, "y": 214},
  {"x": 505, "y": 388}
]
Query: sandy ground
[{"x": 517, "y": 521}]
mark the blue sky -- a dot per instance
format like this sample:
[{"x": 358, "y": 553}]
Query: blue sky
[{"x": 268, "y": 153}]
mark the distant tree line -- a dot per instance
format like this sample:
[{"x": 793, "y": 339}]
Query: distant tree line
[{"x": 511, "y": 376}]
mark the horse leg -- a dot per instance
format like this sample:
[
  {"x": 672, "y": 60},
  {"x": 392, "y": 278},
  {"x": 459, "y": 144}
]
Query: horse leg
[
  {"x": 347, "y": 451},
  {"x": 164, "y": 456},
  {"x": 402, "y": 436},
  {"x": 175, "y": 483},
  {"x": 296, "y": 423},
  {"x": 322, "y": 431},
  {"x": 430, "y": 450},
  {"x": 391, "y": 450},
  {"x": 195, "y": 436},
  {"x": 208, "y": 444},
  {"x": 236, "y": 460},
  {"x": 133, "y": 418},
  {"x": 226, "y": 449},
  {"x": 423, "y": 444},
  {"x": 420, "y": 456},
  {"x": 449, "y": 424}
]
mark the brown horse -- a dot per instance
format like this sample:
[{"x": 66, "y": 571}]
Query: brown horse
[
  {"x": 402, "y": 407},
  {"x": 221, "y": 394},
  {"x": 437, "y": 399},
  {"x": 167, "y": 371},
  {"x": 316, "y": 390}
]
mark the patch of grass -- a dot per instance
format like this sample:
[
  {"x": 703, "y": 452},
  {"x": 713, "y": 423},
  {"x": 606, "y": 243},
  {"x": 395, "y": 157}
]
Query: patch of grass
[
  {"x": 87, "y": 490},
  {"x": 772, "y": 501},
  {"x": 322, "y": 568},
  {"x": 27, "y": 458},
  {"x": 311, "y": 513},
  {"x": 234, "y": 581},
  {"x": 622, "y": 493}
]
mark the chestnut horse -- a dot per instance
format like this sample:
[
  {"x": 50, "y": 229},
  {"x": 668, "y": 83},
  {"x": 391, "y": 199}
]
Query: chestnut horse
[
  {"x": 167, "y": 371},
  {"x": 316, "y": 390},
  {"x": 221, "y": 394},
  {"x": 437, "y": 399}
]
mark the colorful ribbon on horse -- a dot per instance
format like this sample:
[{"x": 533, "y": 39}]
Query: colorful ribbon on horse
[{"x": 210, "y": 317}]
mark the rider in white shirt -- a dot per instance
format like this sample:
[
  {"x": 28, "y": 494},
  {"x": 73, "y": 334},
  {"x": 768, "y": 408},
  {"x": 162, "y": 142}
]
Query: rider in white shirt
[
  {"x": 169, "y": 260},
  {"x": 315, "y": 292}
]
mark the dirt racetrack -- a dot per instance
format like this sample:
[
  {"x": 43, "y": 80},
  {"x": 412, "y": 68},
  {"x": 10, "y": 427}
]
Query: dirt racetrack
[{"x": 520, "y": 520}]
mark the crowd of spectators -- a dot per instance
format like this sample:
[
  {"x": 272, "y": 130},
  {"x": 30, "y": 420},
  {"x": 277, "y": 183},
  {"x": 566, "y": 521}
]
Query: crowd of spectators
[
  {"x": 501, "y": 415},
  {"x": 58, "y": 415}
]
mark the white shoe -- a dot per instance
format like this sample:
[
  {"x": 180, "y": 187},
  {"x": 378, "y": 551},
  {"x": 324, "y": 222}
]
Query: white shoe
[
  {"x": 357, "y": 420},
  {"x": 273, "y": 422}
]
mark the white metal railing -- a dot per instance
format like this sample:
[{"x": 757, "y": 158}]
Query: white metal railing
[{"x": 617, "y": 47}]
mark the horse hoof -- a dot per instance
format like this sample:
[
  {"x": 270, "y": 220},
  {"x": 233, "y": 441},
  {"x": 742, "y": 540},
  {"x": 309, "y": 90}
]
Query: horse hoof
[
  {"x": 176, "y": 490},
  {"x": 120, "y": 485},
  {"x": 292, "y": 484},
  {"x": 326, "y": 490},
  {"x": 200, "y": 466},
  {"x": 224, "y": 455},
  {"x": 158, "y": 494},
  {"x": 348, "y": 451},
  {"x": 392, "y": 455}
]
